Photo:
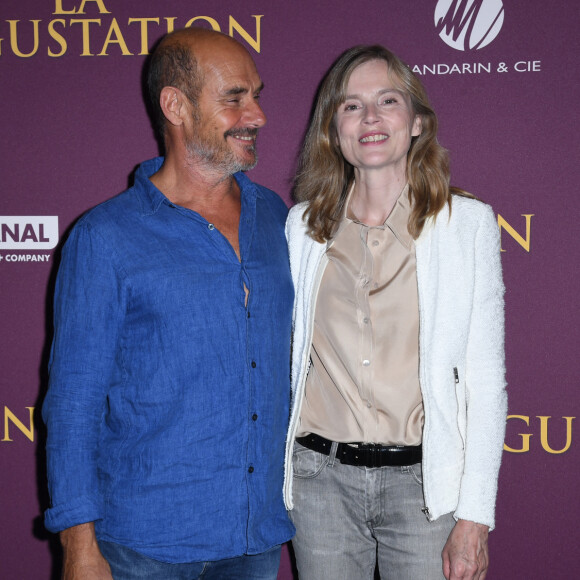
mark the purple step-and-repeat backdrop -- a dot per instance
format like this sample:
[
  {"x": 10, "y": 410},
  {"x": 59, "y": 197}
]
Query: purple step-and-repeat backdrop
[{"x": 503, "y": 77}]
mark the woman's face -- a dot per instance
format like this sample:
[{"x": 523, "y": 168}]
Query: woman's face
[{"x": 376, "y": 121}]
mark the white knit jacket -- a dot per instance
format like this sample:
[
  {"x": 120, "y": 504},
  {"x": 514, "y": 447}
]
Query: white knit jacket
[{"x": 461, "y": 351}]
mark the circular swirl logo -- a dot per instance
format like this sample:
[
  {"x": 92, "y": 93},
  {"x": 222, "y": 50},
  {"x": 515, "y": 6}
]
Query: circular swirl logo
[{"x": 468, "y": 24}]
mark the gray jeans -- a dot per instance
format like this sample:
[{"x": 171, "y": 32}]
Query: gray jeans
[{"x": 349, "y": 519}]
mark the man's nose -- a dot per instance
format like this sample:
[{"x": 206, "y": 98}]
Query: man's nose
[{"x": 255, "y": 116}]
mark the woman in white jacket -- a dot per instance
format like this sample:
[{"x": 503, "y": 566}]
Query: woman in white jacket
[{"x": 399, "y": 399}]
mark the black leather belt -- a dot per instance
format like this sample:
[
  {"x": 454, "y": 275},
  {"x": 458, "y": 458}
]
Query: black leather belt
[{"x": 365, "y": 454}]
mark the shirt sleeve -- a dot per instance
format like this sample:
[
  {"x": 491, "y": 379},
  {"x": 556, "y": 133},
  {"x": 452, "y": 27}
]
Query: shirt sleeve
[
  {"x": 485, "y": 380},
  {"x": 88, "y": 311}
]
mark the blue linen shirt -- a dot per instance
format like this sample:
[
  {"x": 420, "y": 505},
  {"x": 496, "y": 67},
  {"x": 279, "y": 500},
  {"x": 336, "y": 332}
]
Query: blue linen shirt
[{"x": 168, "y": 401}]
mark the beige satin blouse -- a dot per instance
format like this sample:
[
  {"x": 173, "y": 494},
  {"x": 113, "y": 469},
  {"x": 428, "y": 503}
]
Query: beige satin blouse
[{"x": 363, "y": 383}]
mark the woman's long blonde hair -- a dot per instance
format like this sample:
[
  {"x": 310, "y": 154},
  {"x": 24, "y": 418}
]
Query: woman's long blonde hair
[{"x": 324, "y": 177}]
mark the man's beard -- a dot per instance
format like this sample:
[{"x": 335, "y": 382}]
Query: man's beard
[{"x": 216, "y": 155}]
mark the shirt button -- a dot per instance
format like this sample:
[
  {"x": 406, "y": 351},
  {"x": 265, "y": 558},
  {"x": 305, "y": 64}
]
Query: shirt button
[
  {"x": 376, "y": 243},
  {"x": 254, "y": 417},
  {"x": 251, "y": 469},
  {"x": 210, "y": 226},
  {"x": 369, "y": 405},
  {"x": 365, "y": 320},
  {"x": 366, "y": 362},
  {"x": 253, "y": 364}
]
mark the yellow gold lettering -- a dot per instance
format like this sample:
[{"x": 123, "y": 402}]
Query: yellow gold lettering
[
  {"x": 100, "y": 4},
  {"x": 254, "y": 43},
  {"x": 14, "y": 38},
  {"x": 58, "y": 9},
  {"x": 144, "y": 32},
  {"x": 85, "y": 22},
  {"x": 544, "y": 434},
  {"x": 118, "y": 40},
  {"x": 212, "y": 21},
  {"x": 58, "y": 37},
  {"x": 170, "y": 23},
  {"x": 523, "y": 242},
  {"x": 525, "y": 436},
  {"x": 10, "y": 416}
]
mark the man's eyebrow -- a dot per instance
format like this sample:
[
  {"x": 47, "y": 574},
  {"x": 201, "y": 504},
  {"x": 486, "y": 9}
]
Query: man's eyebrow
[
  {"x": 236, "y": 91},
  {"x": 242, "y": 90}
]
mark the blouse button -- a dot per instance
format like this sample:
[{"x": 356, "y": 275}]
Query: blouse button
[{"x": 210, "y": 227}]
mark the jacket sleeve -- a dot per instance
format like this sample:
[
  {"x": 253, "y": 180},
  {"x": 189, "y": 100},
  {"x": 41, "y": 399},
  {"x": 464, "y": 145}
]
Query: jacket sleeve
[
  {"x": 486, "y": 398},
  {"x": 87, "y": 314}
]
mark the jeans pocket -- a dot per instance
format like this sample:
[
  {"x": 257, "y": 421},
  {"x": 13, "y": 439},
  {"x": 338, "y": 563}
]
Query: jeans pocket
[
  {"x": 307, "y": 463},
  {"x": 416, "y": 473}
]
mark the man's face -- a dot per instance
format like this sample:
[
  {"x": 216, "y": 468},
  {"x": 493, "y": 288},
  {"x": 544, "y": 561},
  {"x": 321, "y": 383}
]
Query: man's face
[{"x": 224, "y": 125}]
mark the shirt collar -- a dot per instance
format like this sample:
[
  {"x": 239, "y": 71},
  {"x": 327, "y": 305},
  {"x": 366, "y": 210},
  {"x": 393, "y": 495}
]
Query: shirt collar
[
  {"x": 397, "y": 221},
  {"x": 152, "y": 198},
  {"x": 344, "y": 220}
]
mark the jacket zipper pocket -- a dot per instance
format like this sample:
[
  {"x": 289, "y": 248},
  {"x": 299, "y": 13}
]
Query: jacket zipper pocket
[{"x": 459, "y": 409}]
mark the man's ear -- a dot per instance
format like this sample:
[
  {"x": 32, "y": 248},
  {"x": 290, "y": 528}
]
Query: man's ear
[{"x": 172, "y": 103}]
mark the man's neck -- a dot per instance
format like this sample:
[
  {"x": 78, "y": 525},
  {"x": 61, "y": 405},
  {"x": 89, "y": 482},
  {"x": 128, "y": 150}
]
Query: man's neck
[{"x": 195, "y": 187}]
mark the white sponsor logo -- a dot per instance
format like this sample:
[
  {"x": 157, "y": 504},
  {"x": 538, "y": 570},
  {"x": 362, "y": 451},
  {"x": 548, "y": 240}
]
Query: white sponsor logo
[
  {"x": 28, "y": 232},
  {"x": 468, "y": 24},
  {"x": 25, "y": 257}
]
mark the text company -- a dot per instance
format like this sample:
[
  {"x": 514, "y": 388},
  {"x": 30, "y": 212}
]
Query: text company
[{"x": 474, "y": 68}]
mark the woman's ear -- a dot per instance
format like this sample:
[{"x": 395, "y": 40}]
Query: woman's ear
[{"x": 417, "y": 126}]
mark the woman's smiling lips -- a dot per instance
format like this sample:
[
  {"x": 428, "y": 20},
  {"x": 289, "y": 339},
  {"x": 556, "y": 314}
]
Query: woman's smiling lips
[{"x": 371, "y": 138}]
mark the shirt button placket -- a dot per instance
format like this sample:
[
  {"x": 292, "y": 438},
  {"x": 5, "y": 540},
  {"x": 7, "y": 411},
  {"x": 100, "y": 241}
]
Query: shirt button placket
[{"x": 254, "y": 417}]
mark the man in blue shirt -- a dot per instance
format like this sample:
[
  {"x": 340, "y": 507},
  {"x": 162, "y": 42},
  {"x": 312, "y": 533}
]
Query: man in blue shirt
[{"x": 169, "y": 375}]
